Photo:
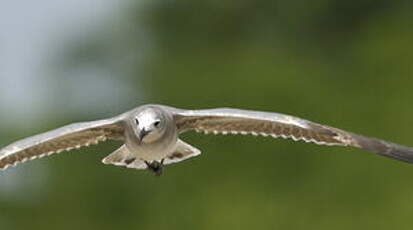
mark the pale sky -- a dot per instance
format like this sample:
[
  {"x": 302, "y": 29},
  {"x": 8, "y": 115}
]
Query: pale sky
[{"x": 33, "y": 34}]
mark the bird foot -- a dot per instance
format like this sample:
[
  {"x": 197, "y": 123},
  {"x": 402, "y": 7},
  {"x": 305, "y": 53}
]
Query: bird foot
[{"x": 155, "y": 167}]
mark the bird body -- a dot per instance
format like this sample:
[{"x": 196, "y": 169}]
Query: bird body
[
  {"x": 150, "y": 134},
  {"x": 160, "y": 145}
]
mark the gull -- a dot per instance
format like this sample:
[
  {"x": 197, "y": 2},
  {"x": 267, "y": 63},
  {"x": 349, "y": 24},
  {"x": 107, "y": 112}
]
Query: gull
[{"x": 150, "y": 136}]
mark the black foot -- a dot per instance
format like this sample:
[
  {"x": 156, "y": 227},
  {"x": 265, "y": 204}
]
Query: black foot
[{"x": 155, "y": 167}]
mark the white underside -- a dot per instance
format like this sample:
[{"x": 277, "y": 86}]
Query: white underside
[{"x": 136, "y": 159}]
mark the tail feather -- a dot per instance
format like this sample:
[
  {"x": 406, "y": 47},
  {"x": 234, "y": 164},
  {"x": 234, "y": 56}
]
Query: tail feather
[{"x": 123, "y": 157}]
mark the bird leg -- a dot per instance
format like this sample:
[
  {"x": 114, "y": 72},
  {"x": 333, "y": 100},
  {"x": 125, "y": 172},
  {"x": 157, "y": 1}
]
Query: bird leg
[{"x": 155, "y": 166}]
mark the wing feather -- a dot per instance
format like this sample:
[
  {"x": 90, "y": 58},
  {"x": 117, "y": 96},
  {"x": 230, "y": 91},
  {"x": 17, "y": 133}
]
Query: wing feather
[
  {"x": 237, "y": 121},
  {"x": 66, "y": 138}
]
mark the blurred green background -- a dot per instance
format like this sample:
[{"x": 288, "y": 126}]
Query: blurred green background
[{"x": 344, "y": 63}]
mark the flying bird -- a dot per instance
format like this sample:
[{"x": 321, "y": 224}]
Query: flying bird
[{"x": 150, "y": 136}]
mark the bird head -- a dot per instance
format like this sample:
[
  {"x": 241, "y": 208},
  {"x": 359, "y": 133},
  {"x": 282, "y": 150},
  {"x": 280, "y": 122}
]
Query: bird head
[{"x": 150, "y": 125}]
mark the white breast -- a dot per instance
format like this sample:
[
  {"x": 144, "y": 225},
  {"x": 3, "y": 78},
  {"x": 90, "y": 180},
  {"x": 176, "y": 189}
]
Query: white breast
[{"x": 154, "y": 151}]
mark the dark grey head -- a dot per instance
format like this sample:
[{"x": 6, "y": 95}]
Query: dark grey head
[{"x": 151, "y": 123}]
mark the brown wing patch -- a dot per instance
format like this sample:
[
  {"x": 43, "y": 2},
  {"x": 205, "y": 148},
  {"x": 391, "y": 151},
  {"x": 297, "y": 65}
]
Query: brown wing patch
[
  {"x": 56, "y": 141},
  {"x": 232, "y": 125}
]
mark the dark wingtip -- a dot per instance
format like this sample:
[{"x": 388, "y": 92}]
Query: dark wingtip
[
  {"x": 401, "y": 153},
  {"x": 384, "y": 148}
]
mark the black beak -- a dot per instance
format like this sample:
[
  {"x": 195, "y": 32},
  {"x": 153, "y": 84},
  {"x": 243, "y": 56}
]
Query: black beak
[{"x": 142, "y": 134}]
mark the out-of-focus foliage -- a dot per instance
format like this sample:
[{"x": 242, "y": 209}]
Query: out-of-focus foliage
[{"x": 344, "y": 63}]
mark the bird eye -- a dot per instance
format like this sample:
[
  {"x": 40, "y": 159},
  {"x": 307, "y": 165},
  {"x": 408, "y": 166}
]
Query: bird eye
[
  {"x": 137, "y": 121},
  {"x": 156, "y": 123}
]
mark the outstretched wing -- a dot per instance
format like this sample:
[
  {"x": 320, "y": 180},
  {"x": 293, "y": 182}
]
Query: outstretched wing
[
  {"x": 65, "y": 138},
  {"x": 236, "y": 121}
]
